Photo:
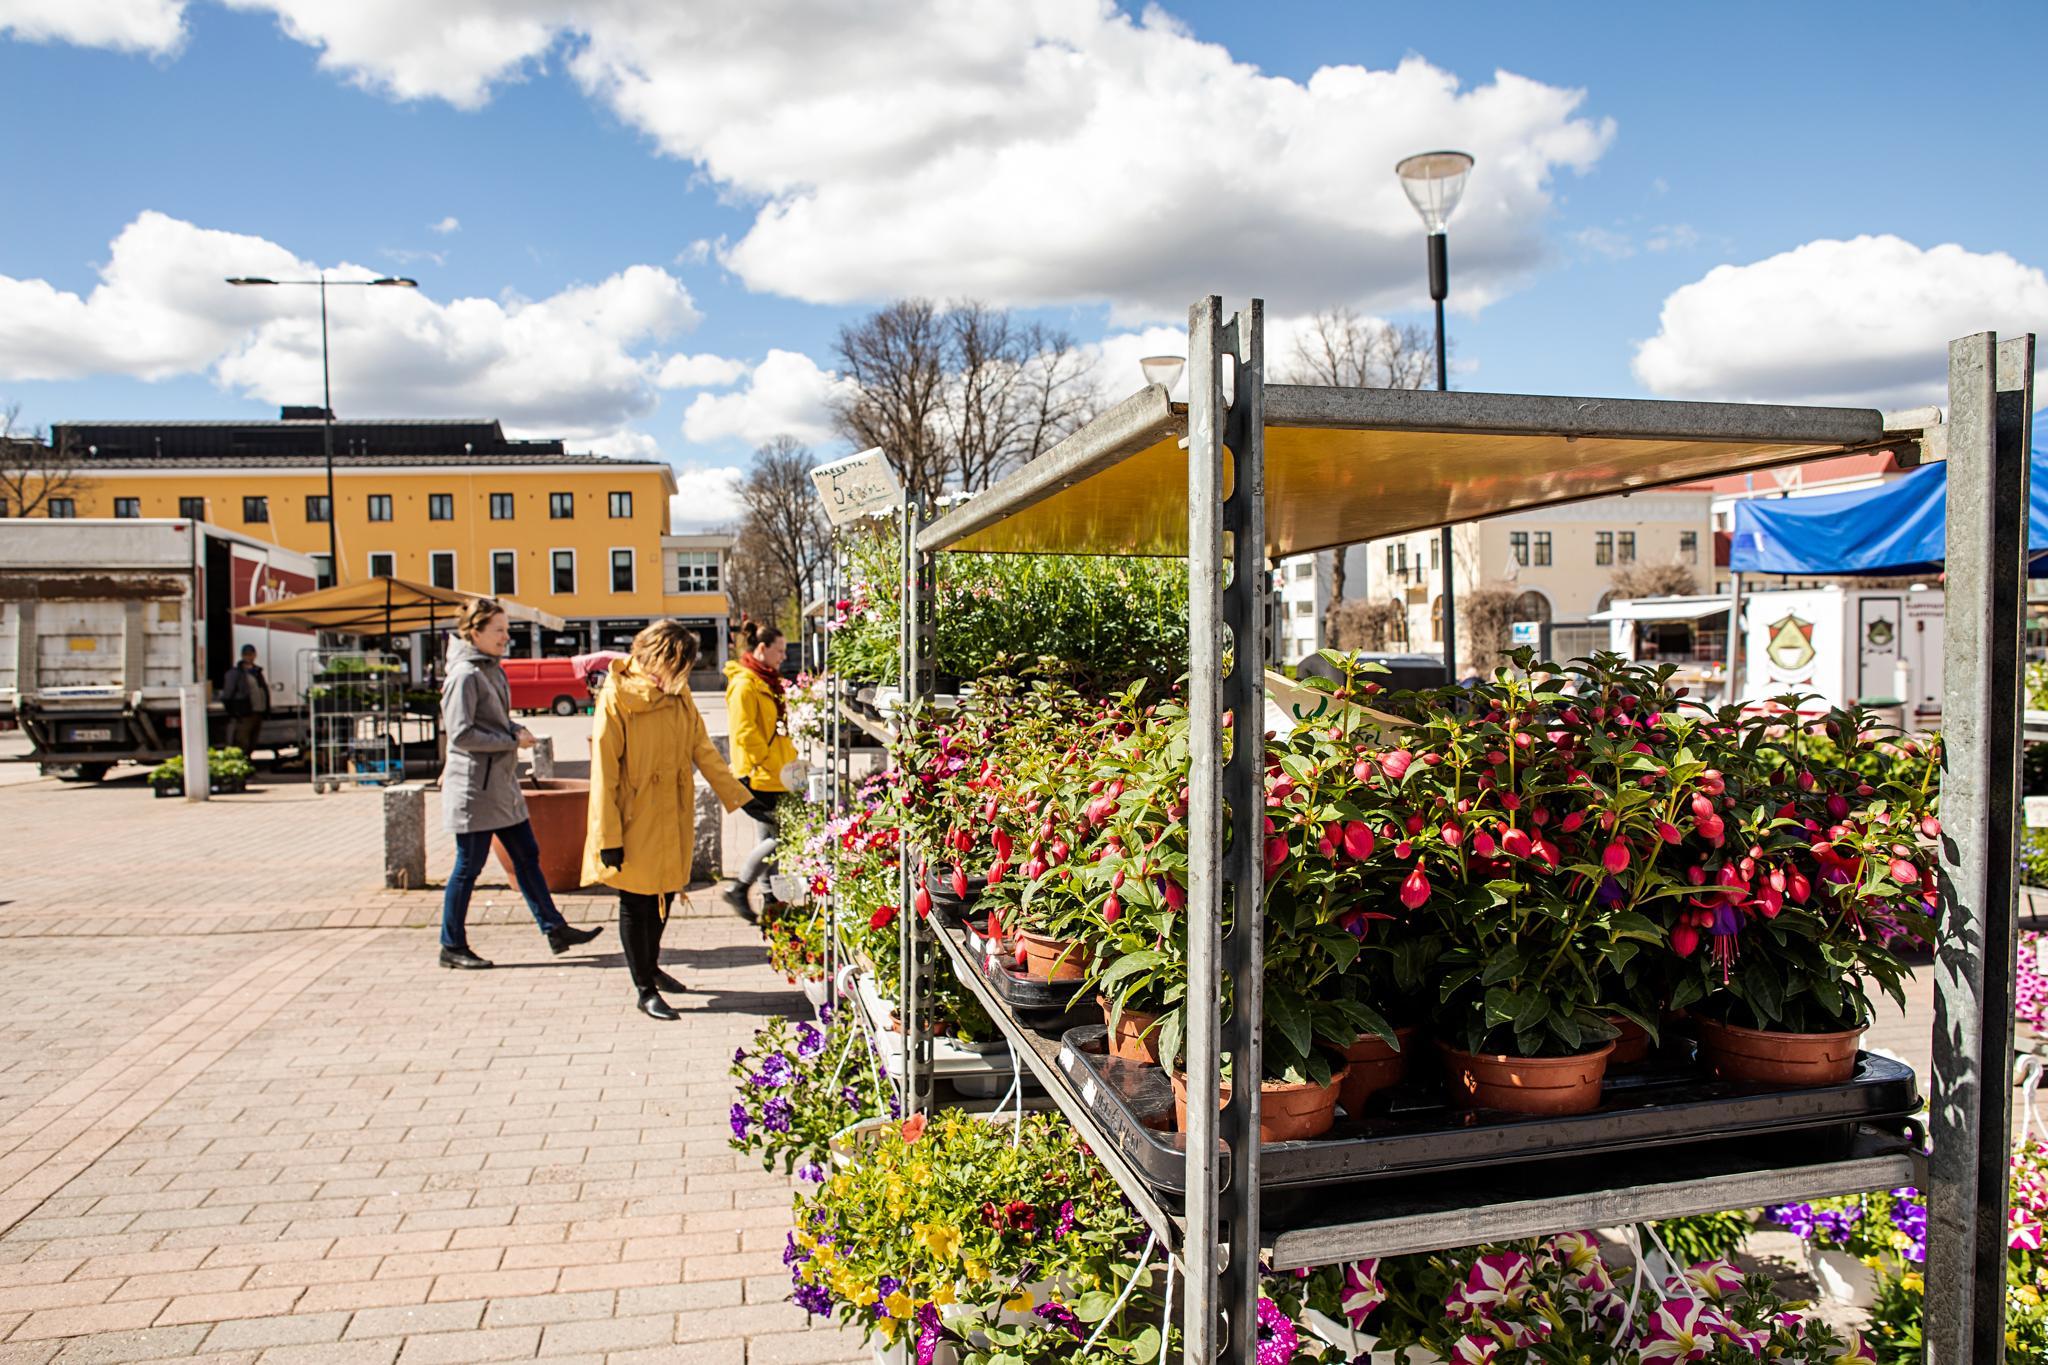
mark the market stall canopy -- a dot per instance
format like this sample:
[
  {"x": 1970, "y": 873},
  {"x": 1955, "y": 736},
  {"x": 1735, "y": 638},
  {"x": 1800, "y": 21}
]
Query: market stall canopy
[
  {"x": 1661, "y": 609},
  {"x": 385, "y": 606},
  {"x": 1896, "y": 528},
  {"x": 1351, "y": 464}
]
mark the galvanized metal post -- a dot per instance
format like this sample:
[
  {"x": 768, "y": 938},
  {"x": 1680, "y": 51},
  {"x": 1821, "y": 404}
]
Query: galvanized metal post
[
  {"x": 1735, "y": 640},
  {"x": 1990, "y": 414},
  {"x": 916, "y": 686},
  {"x": 1224, "y": 619},
  {"x": 1244, "y": 618}
]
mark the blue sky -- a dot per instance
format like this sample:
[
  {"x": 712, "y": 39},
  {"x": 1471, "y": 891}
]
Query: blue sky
[{"x": 1707, "y": 135}]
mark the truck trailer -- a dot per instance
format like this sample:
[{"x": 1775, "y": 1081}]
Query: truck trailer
[{"x": 103, "y": 622}]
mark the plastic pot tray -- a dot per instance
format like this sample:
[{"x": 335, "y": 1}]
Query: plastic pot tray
[
  {"x": 1046, "y": 1007},
  {"x": 1410, "y": 1131}
]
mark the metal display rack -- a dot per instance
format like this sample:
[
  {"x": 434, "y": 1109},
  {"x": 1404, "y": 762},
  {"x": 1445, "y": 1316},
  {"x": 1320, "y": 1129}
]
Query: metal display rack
[
  {"x": 1248, "y": 472},
  {"x": 355, "y": 707}
]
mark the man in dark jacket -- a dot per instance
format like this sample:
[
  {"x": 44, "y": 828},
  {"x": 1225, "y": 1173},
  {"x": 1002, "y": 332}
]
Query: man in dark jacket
[{"x": 245, "y": 696}]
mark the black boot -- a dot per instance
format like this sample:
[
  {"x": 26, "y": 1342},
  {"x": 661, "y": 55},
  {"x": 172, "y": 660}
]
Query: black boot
[
  {"x": 462, "y": 958},
  {"x": 569, "y": 936},
  {"x": 668, "y": 983},
  {"x": 654, "y": 1007},
  {"x": 734, "y": 895}
]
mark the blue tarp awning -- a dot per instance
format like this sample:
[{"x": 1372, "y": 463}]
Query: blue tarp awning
[{"x": 1896, "y": 528}]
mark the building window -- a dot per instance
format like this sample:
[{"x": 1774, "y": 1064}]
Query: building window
[
  {"x": 440, "y": 507},
  {"x": 192, "y": 509},
  {"x": 441, "y": 568},
  {"x": 1390, "y": 561},
  {"x": 561, "y": 506},
  {"x": 255, "y": 509},
  {"x": 1401, "y": 560},
  {"x": 127, "y": 507},
  {"x": 1436, "y": 553},
  {"x": 318, "y": 508},
  {"x": 1603, "y": 547},
  {"x": 622, "y": 571},
  {"x": 1518, "y": 546},
  {"x": 1304, "y": 608},
  {"x": 1689, "y": 546},
  {"x": 1543, "y": 549},
  {"x": 1436, "y": 620},
  {"x": 383, "y": 564},
  {"x": 1628, "y": 547},
  {"x": 564, "y": 565},
  {"x": 501, "y": 507},
  {"x": 323, "y": 571},
  {"x": 1304, "y": 568},
  {"x": 380, "y": 506},
  {"x": 621, "y": 504},
  {"x": 696, "y": 571},
  {"x": 4, "y": 506},
  {"x": 504, "y": 572},
  {"x": 60, "y": 508}
]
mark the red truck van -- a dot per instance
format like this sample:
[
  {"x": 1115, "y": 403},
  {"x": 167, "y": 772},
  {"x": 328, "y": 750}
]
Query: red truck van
[{"x": 546, "y": 685}]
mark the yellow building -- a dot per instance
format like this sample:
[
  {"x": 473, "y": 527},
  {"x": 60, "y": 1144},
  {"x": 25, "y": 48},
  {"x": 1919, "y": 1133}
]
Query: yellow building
[{"x": 453, "y": 503}]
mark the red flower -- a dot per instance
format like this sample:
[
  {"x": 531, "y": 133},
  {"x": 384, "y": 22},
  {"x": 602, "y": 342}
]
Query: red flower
[
  {"x": 1415, "y": 888},
  {"x": 1615, "y": 857},
  {"x": 884, "y": 916},
  {"x": 1276, "y": 854},
  {"x": 1020, "y": 1216},
  {"x": 1394, "y": 763},
  {"x": 1112, "y": 909},
  {"x": 1684, "y": 940},
  {"x": 959, "y": 881},
  {"x": 1176, "y": 895},
  {"x": 923, "y": 902},
  {"x": 913, "y": 1128}
]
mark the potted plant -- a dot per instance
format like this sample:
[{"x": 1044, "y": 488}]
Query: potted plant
[{"x": 227, "y": 770}]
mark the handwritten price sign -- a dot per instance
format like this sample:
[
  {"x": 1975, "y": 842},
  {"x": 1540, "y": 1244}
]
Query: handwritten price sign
[{"x": 858, "y": 486}]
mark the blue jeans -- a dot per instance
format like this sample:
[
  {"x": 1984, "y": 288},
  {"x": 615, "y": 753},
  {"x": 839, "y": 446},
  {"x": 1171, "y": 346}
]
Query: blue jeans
[{"x": 471, "y": 851}]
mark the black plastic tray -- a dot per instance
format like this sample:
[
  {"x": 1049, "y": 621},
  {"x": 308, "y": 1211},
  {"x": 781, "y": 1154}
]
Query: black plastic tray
[
  {"x": 1046, "y": 1007},
  {"x": 1411, "y": 1131}
]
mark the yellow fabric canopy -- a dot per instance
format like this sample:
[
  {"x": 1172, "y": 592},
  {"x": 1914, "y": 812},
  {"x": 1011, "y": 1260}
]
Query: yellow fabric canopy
[{"x": 385, "y": 606}]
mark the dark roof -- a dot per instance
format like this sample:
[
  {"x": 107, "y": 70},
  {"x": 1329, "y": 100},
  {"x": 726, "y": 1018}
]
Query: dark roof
[{"x": 197, "y": 444}]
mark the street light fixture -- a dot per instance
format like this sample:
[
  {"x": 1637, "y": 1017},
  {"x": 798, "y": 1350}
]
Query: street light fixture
[
  {"x": 1163, "y": 370},
  {"x": 327, "y": 380},
  {"x": 1435, "y": 182}
]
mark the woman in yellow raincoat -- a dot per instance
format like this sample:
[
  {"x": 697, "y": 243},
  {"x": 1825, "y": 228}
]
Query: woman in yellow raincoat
[
  {"x": 647, "y": 747},
  {"x": 759, "y": 721}
]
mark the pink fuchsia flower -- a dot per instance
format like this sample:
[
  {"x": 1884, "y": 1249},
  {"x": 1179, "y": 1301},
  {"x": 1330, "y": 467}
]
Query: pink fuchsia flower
[
  {"x": 1278, "y": 1339},
  {"x": 1415, "y": 888},
  {"x": 1394, "y": 763},
  {"x": 1362, "y": 1290},
  {"x": 1681, "y": 1329},
  {"x": 1475, "y": 1350}
]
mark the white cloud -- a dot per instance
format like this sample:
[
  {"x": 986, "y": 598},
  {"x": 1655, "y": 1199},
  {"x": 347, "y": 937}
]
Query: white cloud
[
  {"x": 154, "y": 26},
  {"x": 624, "y": 444},
  {"x": 1045, "y": 153},
  {"x": 1864, "y": 322},
  {"x": 1672, "y": 237},
  {"x": 1601, "y": 241},
  {"x": 699, "y": 372},
  {"x": 567, "y": 365},
  {"x": 706, "y": 498},
  {"x": 447, "y": 225},
  {"x": 787, "y": 394}
]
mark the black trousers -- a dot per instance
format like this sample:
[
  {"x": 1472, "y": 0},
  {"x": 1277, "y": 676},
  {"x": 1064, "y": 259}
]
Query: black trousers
[{"x": 642, "y": 916}]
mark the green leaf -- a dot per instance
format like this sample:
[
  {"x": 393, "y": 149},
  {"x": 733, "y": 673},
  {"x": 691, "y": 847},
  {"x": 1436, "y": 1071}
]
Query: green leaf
[
  {"x": 1530, "y": 1008},
  {"x": 1630, "y": 924},
  {"x": 1505, "y": 962},
  {"x": 1129, "y": 965},
  {"x": 1293, "y": 1022},
  {"x": 1500, "y": 1006}
]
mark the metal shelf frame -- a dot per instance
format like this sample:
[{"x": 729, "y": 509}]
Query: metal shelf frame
[{"x": 1400, "y": 460}]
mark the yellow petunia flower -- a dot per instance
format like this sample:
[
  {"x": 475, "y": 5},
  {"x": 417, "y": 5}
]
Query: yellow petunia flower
[
  {"x": 1912, "y": 1280},
  {"x": 942, "y": 1241},
  {"x": 1023, "y": 1303},
  {"x": 899, "y": 1305},
  {"x": 976, "y": 1271},
  {"x": 943, "y": 1295}
]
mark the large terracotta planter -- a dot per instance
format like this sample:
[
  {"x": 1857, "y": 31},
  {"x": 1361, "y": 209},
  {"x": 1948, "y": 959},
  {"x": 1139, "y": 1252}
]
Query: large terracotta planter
[
  {"x": 1135, "y": 1038},
  {"x": 1288, "y": 1111},
  {"x": 1634, "y": 1043},
  {"x": 1758, "y": 1057},
  {"x": 559, "y": 808},
  {"x": 1525, "y": 1085},
  {"x": 1050, "y": 959},
  {"x": 1374, "y": 1067}
]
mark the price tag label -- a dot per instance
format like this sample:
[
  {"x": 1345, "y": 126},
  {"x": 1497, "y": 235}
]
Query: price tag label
[
  {"x": 1088, "y": 1092},
  {"x": 2035, "y": 809},
  {"x": 2041, "y": 957},
  {"x": 1066, "y": 1060},
  {"x": 858, "y": 486}
]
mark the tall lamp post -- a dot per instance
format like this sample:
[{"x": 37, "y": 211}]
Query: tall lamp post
[
  {"x": 1435, "y": 181},
  {"x": 327, "y": 381}
]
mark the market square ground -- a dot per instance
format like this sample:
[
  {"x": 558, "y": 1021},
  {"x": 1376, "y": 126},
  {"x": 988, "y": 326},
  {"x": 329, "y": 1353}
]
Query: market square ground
[{"x": 244, "y": 1117}]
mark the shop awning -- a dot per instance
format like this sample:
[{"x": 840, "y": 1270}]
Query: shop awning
[
  {"x": 1894, "y": 529},
  {"x": 385, "y": 606},
  {"x": 1662, "y": 609}
]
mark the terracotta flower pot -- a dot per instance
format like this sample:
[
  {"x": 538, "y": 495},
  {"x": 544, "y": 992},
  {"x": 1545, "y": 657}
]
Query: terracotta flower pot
[
  {"x": 1136, "y": 1035},
  {"x": 1288, "y": 1111},
  {"x": 1634, "y": 1043},
  {"x": 1525, "y": 1085},
  {"x": 1050, "y": 959},
  {"x": 559, "y": 808},
  {"x": 1758, "y": 1057},
  {"x": 1374, "y": 1067}
]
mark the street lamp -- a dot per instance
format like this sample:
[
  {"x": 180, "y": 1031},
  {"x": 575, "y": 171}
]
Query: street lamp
[
  {"x": 327, "y": 381},
  {"x": 1163, "y": 370},
  {"x": 1435, "y": 181}
]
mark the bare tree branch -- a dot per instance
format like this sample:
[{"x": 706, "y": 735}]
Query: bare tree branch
[
  {"x": 783, "y": 537},
  {"x": 33, "y": 470}
]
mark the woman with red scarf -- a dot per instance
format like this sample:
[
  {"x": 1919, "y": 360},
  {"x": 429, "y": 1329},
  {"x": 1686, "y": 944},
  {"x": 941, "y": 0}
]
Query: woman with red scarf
[{"x": 759, "y": 723}]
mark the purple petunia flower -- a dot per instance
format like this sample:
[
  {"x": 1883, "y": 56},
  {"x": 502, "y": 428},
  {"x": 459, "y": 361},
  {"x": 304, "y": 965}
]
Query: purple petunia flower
[
  {"x": 1278, "y": 1340},
  {"x": 775, "y": 1115},
  {"x": 775, "y": 1071},
  {"x": 812, "y": 1172},
  {"x": 825, "y": 1015},
  {"x": 850, "y": 1095},
  {"x": 813, "y": 1299},
  {"x": 739, "y": 1120},
  {"x": 929, "y": 1334},
  {"x": 809, "y": 1042},
  {"x": 1065, "y": 1224},
  {"x": 739, "y": 1056},
  {"x": 1059, "y": 1315},
  {"x": 791, "y": 1252}
]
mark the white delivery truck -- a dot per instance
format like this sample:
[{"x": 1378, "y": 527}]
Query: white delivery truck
[
  {"x": 1880, "y": 647},
  {"x": 103, "y": 621}
]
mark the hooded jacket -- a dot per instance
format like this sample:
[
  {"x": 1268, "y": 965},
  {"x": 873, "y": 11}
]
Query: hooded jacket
[
  {"x": 647, "y": 746},
  {"x": 758, "y": 752},
  {"x": 480, "y": 780}
]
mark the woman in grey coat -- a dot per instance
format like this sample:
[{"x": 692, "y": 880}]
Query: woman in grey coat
[{"x": 480, "y": 796}]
